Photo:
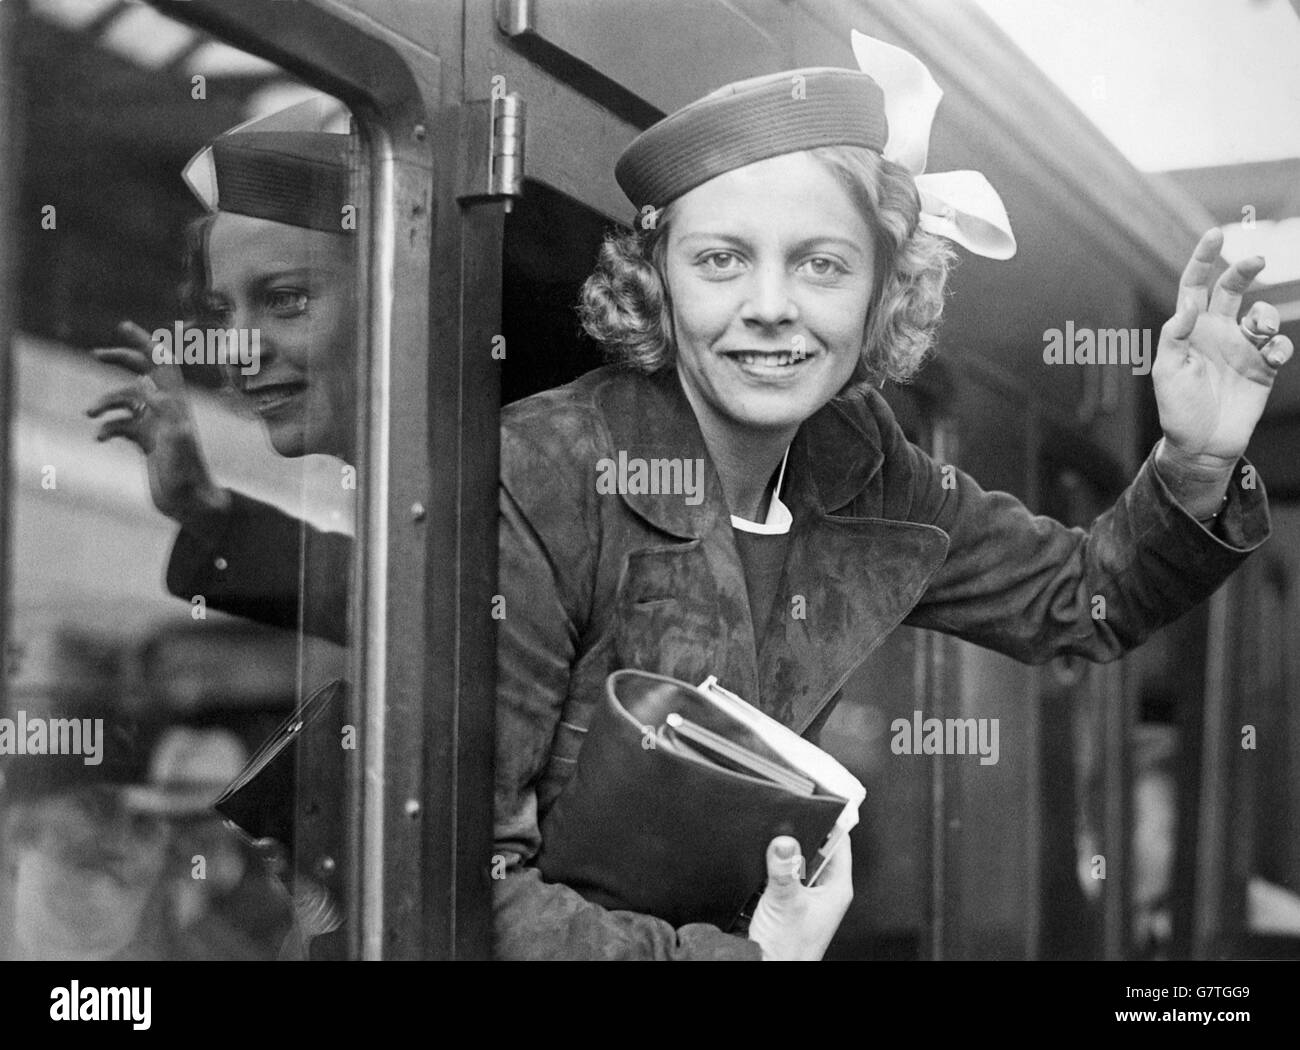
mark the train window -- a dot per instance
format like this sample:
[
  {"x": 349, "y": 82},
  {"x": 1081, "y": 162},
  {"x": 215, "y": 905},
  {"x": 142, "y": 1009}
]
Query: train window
[{"x": 182, "y": 497}]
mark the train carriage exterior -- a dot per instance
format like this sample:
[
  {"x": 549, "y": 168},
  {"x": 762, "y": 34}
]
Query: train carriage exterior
[{"x": 489, "y": 132}]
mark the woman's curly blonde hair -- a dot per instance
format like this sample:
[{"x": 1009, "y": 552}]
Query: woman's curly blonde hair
[{"x": 625, "y": 304}]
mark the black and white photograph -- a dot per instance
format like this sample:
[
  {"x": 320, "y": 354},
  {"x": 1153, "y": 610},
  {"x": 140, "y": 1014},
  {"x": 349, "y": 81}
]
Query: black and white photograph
[{"x": 629, "y": 480}]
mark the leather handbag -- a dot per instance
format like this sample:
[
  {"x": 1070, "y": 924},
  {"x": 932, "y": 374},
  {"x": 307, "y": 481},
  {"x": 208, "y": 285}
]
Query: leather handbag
[{"x": 647, "y": 826}]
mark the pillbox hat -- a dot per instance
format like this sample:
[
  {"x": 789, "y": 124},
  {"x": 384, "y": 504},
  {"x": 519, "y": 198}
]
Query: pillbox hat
[
  {"x": 749, "y": 121},
  {"x": 887, "y": 107}
]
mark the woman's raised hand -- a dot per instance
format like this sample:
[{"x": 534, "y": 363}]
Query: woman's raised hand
[
  {"x": 160, "y": 421},
  {"x": 1212, "y": 373},
  {"x": 794, "y": 922}
]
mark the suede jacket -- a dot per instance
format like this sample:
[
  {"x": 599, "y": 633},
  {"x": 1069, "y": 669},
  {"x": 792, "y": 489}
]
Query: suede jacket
[{"x": 882, "y": 535}]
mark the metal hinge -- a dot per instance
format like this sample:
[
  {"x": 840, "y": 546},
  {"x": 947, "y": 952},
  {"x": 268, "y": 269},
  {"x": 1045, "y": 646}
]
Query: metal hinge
[
  {"x": 497, "y": 172},
  {"x": 515, "y": 16}
]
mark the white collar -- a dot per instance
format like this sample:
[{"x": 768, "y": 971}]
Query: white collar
[{"x": 779, "y": 519}]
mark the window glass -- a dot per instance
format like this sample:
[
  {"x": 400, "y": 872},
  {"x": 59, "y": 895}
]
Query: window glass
[{"x": 182, "y": 497}]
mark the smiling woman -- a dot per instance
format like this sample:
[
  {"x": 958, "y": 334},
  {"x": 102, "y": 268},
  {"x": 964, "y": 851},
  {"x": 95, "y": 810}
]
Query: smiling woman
[
  {"x": 783, "y": 267},
  {"x": 296, "y": 288},
  {"x": 769, "y": 305},
  {"x": 625, "y": 308},
  {"x": 274, "y": 260}
]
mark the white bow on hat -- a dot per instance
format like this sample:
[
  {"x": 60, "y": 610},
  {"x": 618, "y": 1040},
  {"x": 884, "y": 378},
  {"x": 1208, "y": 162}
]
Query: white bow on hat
[{"x": 959, "y": 205}]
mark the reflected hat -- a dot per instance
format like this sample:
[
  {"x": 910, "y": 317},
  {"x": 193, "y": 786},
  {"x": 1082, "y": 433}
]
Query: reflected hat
[
  {"x": 185, "y": 770},
  {"x": 886, "y": 106},
  {"x": 284, "y": 167},
  {"x": 188, "y": 769}
]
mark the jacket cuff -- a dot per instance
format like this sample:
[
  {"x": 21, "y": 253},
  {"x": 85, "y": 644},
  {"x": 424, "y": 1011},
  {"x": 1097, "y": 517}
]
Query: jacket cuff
[
  {"x": 1241, "y": 526},
  {"x": 247, "y": 564}
]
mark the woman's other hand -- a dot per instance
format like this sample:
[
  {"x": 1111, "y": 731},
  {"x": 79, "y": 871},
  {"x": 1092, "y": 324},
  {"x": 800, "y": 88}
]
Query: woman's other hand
[
  {"x": 160, "y": 421},
  {"x": 794, "y": 922},
  {"x": 1211, "y": 378}
]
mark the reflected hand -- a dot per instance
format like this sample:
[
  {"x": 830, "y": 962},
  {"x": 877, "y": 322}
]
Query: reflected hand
[
  {"x": 161, "y": 422},
  {"x": 1212, "y": 374},
  {"x": 794, "y": 922}
]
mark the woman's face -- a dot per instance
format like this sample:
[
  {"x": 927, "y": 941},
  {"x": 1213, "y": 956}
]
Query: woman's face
[
  {"x": 770, "y": 270},
  {"x": 296, "y": 287}
]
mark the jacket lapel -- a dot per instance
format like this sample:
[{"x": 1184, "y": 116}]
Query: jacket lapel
[
  {"x": 684, "y": 609},
  {"x": 848, "y": 580},
  {"x": 849, "y": 577}
]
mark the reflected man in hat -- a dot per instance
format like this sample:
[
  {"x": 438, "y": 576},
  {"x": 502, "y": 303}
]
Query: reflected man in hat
[{"x": 118, "y": 861}]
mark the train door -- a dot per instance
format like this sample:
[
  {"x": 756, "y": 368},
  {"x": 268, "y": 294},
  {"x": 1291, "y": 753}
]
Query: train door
[{"x": 347, "y": 564}]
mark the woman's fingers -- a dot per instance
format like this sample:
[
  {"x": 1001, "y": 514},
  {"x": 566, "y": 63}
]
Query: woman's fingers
[
  {"x": 1278, "y": 350},
  {"x": 784, "y": 867},
  {"x": 127, "y": 428},
  {"x": 137, "y": 356},
  {"x": 1199, "y": 271},
  {"x": 1262, "y": 322},
  {"x": 130, "y": 358},
  {"x": 167, "y": 376},
  {"x": 127, "y": 398},
  {"x": 134, "y": 335},
  {"x": 1225, "y": 296},
  {"x": 1229, "y": 288},
  {"x": 1184, "y": 320},
  {"x": 135, "y": 351}
]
